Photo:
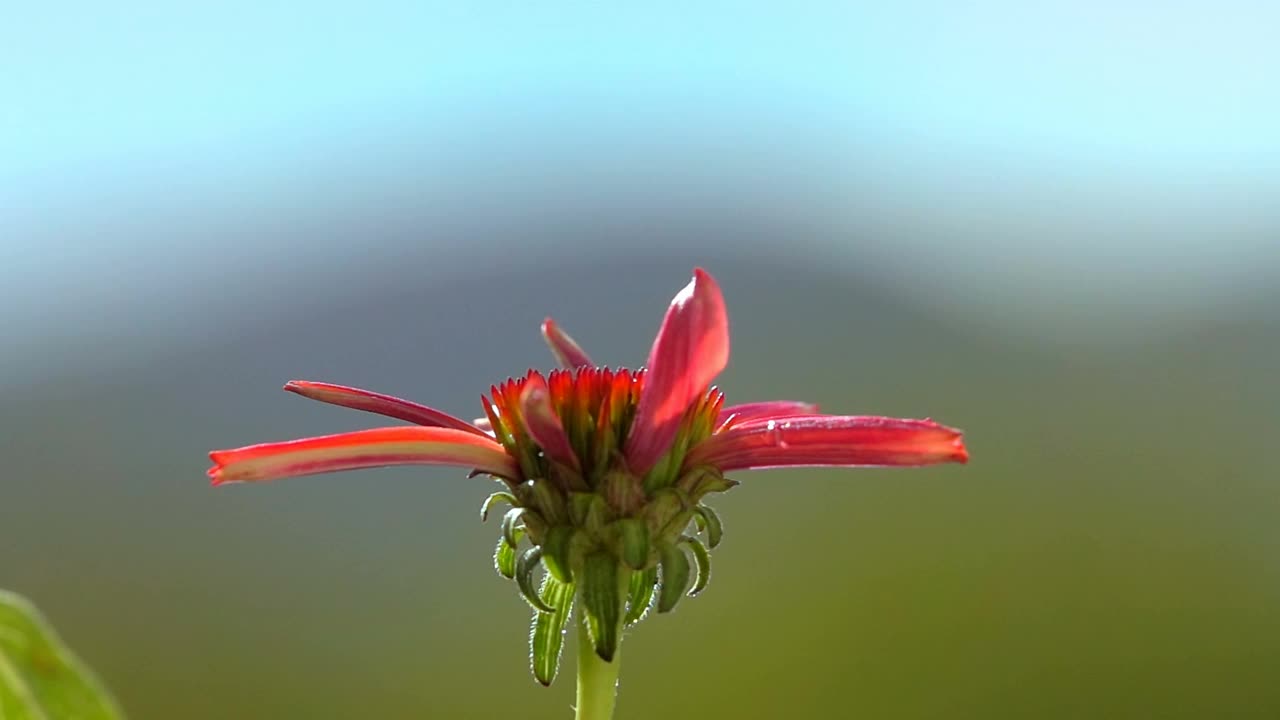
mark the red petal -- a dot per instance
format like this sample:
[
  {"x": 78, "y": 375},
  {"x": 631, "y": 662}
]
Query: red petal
[
  {"x": 373, "y": 402},
  {"x": 831, "y": 440},
  {"x": 543, "y": 424},
  {"x": 746, "y": 412},
  {"x": 362, "y": 449},
  {"x": 691, "y": 348},
  {"x": 563, "y": 346}
]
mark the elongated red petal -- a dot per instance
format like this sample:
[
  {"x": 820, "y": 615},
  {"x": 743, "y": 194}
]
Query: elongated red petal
[
  {"x": 691, "y": 348},
  {"x": 563, "y": 347},
  {"x": 379, "y": 447},
  {"x": 831, "y": 440},
  {"x": 746, "y": 412},
  {"x": 378, "y": 403},
  {"x": 543, "y": 424}
]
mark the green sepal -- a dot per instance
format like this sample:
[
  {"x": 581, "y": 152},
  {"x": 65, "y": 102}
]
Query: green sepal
[
  {"x": 589, "y": 510},
  {"x": 602, "y": 602},
  {"x": 557, "y": 552},
  {"x": 504, "y": 556},
  {"x": 675, "y": 577},
  {"x": 708, "y": 521},
  {"x": 703, "y": 560},
  {"x": 704, "y": 479},
  {"x": 633, "y": 542},
  {"x": 623, "y": 492},
  {"x": 548, "y": 500},
  {"x": 640, "y": 596},
  {"x": 510, "y": 524},
  {"x": 535, "y": 525},
  {"x": 525, "y": 566},
  {"x": 548, "y": 630},
  {"x": 500, "y": 496},
  {"x": 566, "y": 477},
  {"x": 579, "y": 503},
  {"x": 667, "y": 514}
]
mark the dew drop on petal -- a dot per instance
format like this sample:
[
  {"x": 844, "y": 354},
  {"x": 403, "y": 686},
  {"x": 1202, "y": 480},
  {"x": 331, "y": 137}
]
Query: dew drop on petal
[{"x": 774, "y": 430}]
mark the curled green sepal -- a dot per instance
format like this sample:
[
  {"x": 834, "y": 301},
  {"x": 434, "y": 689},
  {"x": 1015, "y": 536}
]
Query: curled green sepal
[
  {"x": 556, "y": 553},
  {"x": 510, "y": 524},
  {"x": 504, "y": 556},
  {"x": 709, "y": 522},
  {"x": 40, "y": 678},
  {"x": 602, "y": 602},
  {"x": 525, "y": 566},
  {"x": 548, "y": 630},
  {"x": 640, "y": 596},
  {"x": 489, "y": 502},
  {"x": 703, "y": 560},
  {"x": 675, "y": 577},
  {"x": 703, "y": 480}
]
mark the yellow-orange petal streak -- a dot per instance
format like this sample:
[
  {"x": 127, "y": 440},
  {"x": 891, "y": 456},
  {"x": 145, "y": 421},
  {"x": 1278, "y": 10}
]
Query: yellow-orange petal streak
[
  {"x": 373, "y": 402},
  {"x": 379, "y": 447}
]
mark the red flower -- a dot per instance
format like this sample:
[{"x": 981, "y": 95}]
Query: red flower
[
  {"x": 605, "y": 469},
  {"x": 639, "y": 413}
]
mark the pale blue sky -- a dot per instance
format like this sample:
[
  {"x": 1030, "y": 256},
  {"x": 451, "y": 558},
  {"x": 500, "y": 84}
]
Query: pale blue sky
[{"x": 1018, "y": 145}]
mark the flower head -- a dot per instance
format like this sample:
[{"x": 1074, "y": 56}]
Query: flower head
[{"x": 605, "y": 469}]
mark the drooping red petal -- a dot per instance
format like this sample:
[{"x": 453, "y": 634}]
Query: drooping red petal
[
  {"x": 746, "y": 412},
  {"x": 379, "y": 447},
  {"x": 691, "y": 348},
  {"x": 563, "y": 347},
  {"x": 378, "y": 403},
  {"x": 542, "y": 422},
  {"x": 830, "y": 440}
]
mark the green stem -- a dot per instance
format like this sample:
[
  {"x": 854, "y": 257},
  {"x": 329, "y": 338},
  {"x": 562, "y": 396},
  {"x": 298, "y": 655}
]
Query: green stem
[{"x": 597, "y": 679}]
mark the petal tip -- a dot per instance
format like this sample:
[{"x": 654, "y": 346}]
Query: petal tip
[
  {"x": 214, "y": 473},
  {"x": 566, "y": 350}
]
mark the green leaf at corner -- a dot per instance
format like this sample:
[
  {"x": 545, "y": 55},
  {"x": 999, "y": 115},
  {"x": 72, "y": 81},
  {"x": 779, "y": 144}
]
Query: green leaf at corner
[{"x": 40, "y": 679}]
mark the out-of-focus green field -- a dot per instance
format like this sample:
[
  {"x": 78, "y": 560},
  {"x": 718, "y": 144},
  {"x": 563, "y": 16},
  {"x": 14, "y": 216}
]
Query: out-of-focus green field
[{"x": 1111, "y": 551}]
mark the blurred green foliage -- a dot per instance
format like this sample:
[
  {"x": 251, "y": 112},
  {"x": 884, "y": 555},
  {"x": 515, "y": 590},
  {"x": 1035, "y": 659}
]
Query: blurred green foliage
[{"x": 40, "y": 679}]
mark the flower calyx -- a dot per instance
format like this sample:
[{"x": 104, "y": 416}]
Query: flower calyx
[{"x": 611, "y": 541}]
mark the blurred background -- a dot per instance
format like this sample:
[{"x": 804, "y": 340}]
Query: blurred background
[{"x": 1053, "y": 225}]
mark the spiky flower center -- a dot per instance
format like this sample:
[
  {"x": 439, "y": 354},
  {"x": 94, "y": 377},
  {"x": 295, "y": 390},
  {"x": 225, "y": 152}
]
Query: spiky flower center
[
  {"x": 596, "y": 407},
  {"x": 591, "y": 521}
]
